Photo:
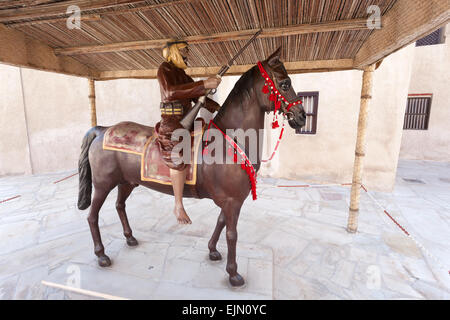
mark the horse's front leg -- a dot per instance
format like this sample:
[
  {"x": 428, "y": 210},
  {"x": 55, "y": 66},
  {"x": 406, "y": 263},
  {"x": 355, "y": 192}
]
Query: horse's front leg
[
  {"x": 214, "y": 255},
  {"x": 232, "y": 209}
]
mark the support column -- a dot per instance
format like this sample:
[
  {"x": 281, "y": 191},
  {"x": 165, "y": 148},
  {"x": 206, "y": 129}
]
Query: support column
[
  {"x": 366, "y": 96},
  {"x": 92, "y": 102}
]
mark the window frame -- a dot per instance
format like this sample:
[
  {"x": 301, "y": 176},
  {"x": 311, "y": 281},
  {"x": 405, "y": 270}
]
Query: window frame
[
  {"x": 429, "y": 98},
  {"x": 314, "y": 114}
]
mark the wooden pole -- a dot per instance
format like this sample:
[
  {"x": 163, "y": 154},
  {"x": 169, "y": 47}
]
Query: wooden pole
[
  {"x": 92, "y": 102},
  {"x": 366, "y": 96},
  {"x": 82, "y": 291}
]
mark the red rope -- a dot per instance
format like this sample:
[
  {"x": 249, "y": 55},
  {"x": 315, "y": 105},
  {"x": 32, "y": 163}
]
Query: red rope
[
  {"x": 276, "y": 146},
  {"x": 66, "y": 178},
  {"x": 12, "y": 198},
  {"x": 398, "y": 224}
]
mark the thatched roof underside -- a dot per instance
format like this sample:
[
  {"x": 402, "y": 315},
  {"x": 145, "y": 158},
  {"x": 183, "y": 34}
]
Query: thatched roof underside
[{"x": 117, "y": 23}]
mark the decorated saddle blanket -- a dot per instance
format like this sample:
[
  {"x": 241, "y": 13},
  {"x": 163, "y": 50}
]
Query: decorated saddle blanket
[{"x": 131, "y": 137}]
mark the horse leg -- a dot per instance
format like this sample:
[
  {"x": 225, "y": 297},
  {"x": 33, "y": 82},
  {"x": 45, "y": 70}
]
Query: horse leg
[
  {"x": 123, "y": 194},
  {"x": 97, "y": 202},
  {"x": 214, "y": 255},
  {"x": 232, "y": 210}
]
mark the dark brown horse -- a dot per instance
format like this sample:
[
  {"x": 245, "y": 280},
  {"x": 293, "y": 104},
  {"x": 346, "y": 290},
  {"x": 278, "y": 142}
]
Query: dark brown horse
[{"x": 226, "y": 184}]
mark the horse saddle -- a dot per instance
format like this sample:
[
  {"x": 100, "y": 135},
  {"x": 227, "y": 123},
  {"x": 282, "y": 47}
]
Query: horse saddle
[{"x": 131, "y": 137}]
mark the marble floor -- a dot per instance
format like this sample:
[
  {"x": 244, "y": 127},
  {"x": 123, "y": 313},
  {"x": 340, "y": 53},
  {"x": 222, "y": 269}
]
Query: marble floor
[{"x": 292, "y": 242}]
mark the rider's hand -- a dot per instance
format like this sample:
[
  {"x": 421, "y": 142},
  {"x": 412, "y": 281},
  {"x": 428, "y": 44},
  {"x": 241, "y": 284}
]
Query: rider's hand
[{"x": 212, "y": 82}]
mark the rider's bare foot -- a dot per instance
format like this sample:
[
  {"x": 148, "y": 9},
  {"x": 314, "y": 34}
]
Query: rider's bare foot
[{"x": 181, "y": 215}]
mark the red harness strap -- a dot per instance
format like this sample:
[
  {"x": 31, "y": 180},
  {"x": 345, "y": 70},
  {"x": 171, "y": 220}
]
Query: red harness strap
[
  {"x": 275, "y": 95},
  {"x": 277, "y": 98},
  {"x": 246, "y": 165},
  {"x": 276, "y": 146}
]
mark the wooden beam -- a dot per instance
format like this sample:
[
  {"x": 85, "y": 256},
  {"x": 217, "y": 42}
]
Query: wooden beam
[
  {"x": 366, "y": 97},
  {"x": 92, "y": 17},
  {"x": 19, "y": 50},
  {"x": 341, "y": 25},
  {"x": 95, "y": 16},
  {"x": 21, "y": 3},
  {"x": 406, "y": 22},
  {"x": 58, "y": 8},
  {"x": 291, "y": 67}
]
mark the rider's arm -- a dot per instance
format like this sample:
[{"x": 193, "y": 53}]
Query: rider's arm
[{"x": 173, "y": 92}]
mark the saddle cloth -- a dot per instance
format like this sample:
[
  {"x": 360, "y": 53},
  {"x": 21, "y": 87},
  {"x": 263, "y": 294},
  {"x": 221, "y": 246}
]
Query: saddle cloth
[{"x": 131, "y": 137}]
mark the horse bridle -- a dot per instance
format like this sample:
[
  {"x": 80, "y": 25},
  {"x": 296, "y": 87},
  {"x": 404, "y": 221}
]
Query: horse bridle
[{"x": 281, "y": 103}]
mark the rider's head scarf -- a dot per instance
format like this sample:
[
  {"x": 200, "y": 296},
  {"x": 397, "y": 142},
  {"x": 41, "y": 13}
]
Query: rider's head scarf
[{"x": 171, "y": 53}]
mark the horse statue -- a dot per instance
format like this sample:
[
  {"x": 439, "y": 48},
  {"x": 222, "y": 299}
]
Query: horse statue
[{"x": 226, "y": 184}]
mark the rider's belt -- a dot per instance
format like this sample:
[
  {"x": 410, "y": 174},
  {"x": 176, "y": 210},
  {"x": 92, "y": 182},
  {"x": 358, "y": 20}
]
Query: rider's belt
[{"x": 171, "y": 108}]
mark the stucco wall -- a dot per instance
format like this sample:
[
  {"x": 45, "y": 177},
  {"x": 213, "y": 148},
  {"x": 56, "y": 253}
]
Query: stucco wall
[
  {"x": 14, "y": 153},
  {"x": 58, "y": 115},
  {"x": 430, "y": 74},
  {"x": 328, "y": 156},
  {"x": 127, "y": 100}
]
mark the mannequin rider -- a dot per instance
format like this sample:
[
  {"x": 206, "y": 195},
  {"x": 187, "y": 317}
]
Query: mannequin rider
[{"x": 178, "y": 92}]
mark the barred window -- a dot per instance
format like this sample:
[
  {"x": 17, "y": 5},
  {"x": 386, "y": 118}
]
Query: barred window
[
  {"x": 310, "y": 105},
  {"x": 436, "y": 37},
  {"x": 417, "y": 113}
]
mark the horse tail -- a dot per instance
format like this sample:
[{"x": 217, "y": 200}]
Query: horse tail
[{"x": 84, "y": 169}]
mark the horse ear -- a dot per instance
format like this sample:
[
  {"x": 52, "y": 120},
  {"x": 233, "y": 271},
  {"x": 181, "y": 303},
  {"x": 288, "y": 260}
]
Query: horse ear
[{"x": 274, "y": 57}]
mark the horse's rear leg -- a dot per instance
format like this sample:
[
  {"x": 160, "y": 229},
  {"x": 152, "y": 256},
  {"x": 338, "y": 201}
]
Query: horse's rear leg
[
  {"x": 97, "y": 202},
  {"x": 214, "y": 255},
  {"x": 123, "y": 194}
]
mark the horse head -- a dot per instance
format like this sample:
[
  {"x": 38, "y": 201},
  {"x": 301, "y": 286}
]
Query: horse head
[{"x": 275, "y": 76}]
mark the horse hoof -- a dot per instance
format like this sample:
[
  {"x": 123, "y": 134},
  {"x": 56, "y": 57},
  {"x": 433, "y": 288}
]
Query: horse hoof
[
  {"x": 215, "y": 256},
  {"x": 132, "y": 242},
  {"x": 104, "y": 261},
  {"x": 237, "y": 280}
]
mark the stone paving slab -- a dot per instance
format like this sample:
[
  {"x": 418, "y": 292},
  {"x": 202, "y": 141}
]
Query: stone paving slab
[
  {"x": 292, "y": 243},
  {"x": 167, "y": 267},
  {"x": 168, "y": 270}
]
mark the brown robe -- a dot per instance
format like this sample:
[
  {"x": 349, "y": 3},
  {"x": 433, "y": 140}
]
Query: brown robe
[{"x": 176, "y": 85}]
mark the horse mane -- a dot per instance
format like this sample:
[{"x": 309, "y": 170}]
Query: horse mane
[{"x": 241, "y": 92}]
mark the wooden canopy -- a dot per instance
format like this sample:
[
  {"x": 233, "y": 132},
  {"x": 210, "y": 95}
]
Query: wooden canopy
[{"x": 123, "y": 38}]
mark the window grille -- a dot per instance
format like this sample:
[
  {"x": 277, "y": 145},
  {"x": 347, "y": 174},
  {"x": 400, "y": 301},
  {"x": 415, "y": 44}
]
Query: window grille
[
  {"x": 310, "y": 105},
  {"x": 417, "y": 113}
]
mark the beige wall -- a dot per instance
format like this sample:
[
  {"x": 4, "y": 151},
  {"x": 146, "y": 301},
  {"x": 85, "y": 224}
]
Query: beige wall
[
  {"x": 430, "y": 74},
  {"x": 14, "y": 153},
  {"x": 328, "y": 156},
  {"x": 58, "y": 115},
  {"x": 128, "y": 99},
  {"x": 43, "y": 119}
]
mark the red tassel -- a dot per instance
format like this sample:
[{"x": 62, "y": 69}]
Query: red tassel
[
  {"x": 230, "y": 151},
  {"x": 272, "y": 97},
  {"x": 277, "y": 106},
  {"x": 253, "y": 185},
  {"x": 275, "y": 124},
  {"x": 265, "y": 89},
  {"x": 205, "y": 151},
  {"x": 235, "y": 157}
]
